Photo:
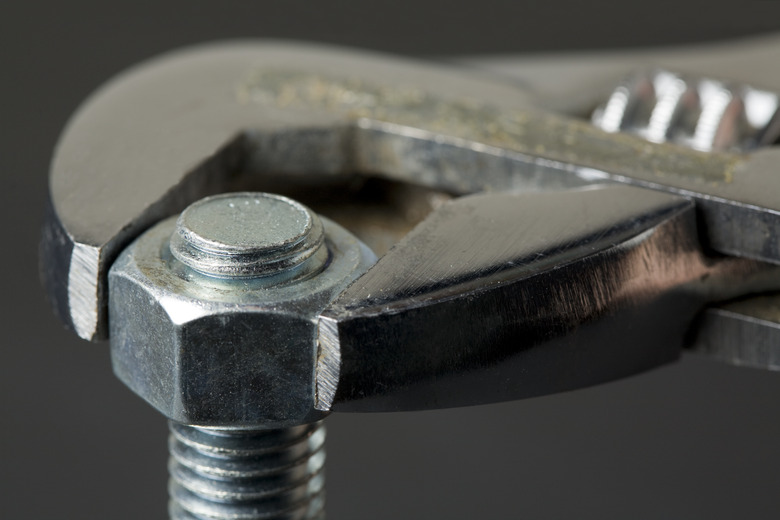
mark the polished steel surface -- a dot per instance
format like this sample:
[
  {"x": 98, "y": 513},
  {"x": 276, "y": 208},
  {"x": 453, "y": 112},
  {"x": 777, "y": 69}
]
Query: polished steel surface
[
  {"x": 187, "y": 126},
  {"x": 255, "y": 113},
  {"x": 575, "y": 82},
  {"x": 249, "y": 235},
  {"x": 701, "y": 113},
  {"x": 707, "y": 114},
  {"x": 144, "y": 146},
  {"x": 745, "y": 332},
  {"x": 504, "y": 296},
  {"x": 584, "y": 256},
  {"x": 227, "y": 352},
  {"x": 213, "y": 323},
  {"x": 258, "y": 475},
  {"x": 726, "y": 457}
]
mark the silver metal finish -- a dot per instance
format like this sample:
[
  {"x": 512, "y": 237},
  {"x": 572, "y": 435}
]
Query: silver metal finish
[
  {"x": 228, "y": 474},
  {"x": 708, "y": 114},
  {"x": 505, "y": 296},
  {"x": 213, "y": 322},
  {"x": 575, "y": 255},
  {"x": 575, "y": 82},
  {"x": 229, "y": 352},
  {"x": 701, "y": 113},
  {"x": 744, "y": 332},
  {"x": 249, "y": 235},
  {"x": 250, "y": 109}
]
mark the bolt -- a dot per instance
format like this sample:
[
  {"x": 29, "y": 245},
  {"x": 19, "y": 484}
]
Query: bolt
[
  {"x": 234, "y": 474},
  {"x": 213, "y": 322},
  {"x": 250, "y": 235},
  {"x": 275, "y": 473}
]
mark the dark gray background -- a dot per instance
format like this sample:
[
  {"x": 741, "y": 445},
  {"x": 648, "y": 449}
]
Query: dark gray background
[{"x": 694, "y": 440}]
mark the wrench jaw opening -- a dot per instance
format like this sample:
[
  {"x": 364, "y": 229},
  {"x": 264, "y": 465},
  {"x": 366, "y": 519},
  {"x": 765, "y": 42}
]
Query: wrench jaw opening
[
  {"x": 54, "y": 253},
  {"x": 575, "y": 255},
  {"x": 144, "y": 147}
]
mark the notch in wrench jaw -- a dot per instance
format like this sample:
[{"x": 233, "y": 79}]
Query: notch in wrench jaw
[{"x": 219, "y": 117}]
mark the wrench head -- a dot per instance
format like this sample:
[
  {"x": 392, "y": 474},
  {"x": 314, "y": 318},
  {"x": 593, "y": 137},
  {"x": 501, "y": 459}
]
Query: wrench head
[{"x": 227, "y": 116}]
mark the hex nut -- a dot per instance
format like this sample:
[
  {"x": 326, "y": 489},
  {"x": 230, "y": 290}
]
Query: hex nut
[{"x": 220, "y": 352}]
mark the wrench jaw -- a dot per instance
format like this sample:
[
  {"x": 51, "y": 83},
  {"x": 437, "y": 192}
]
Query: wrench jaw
[
  {"x": 161, "y": 136},
  {"x": 744, "y": 332},
  {"x": 54, "y": 253},
  {"x": 76, "y": 255},
  {"x": 179, "y": 127},
  {"x": 144, "y": 147},
  {"x": 505, "y": 296},
  {"x": 493, "y": 297},
  {"x": 709, "y": 114}
]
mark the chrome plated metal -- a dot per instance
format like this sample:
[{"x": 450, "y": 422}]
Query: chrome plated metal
[
  {"x": 574, "y": 256},
  {"x": 701, "y": 113},
  {"x": 249, "y": 235},
  {"x": 745, "y": 332},
  {"x": 144, "y": 146},
  {"x": 238, "y": 352},
  {"x": 213, "y": 323},
  {"x": 707, "y": 114},
  {"x": 576, "y": 82},
  {"x": 228, "y": 474},
  {"x": 505, "y": 296}
]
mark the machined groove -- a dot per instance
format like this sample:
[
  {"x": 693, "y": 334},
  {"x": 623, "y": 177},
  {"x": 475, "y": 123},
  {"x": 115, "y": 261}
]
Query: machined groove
[{"x": 246, "y": 475}]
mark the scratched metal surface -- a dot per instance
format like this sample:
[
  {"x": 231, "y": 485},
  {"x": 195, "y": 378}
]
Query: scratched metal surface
[
  {"x": 693, "y": 440},
  {"x": 143, "y": 147},
  {"x": 495, "y": 298}
]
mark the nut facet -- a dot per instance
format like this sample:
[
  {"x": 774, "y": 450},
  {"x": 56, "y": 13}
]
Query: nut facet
[{"x": 241, "y": 352}]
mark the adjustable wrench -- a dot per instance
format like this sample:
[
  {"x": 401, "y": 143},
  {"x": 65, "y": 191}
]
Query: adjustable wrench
[{"x": 577, "y": 256}]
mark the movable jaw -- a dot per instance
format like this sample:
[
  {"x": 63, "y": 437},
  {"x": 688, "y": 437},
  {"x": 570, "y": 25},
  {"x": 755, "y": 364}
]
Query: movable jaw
[
  {"x": 505, "y": 296},
  {"x": 233, "y": 352}
]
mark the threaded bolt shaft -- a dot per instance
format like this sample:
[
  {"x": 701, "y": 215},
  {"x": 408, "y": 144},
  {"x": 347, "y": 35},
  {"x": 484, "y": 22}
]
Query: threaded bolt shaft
[
  {"x": 221, "y": 474},
  {"x": 246, "y": 475}
]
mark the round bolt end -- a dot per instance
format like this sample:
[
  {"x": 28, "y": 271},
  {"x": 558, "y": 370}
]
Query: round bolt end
[{"x": 249, "y": 235}]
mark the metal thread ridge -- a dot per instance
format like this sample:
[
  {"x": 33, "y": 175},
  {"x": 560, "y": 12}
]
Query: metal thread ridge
[
  {"x": 248, "y": 235},
  {"x": 246, "y": 475}
]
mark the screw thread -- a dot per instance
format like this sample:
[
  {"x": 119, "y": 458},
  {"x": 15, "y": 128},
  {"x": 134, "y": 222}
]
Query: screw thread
[
  {"x": 246, "y": 475},
  {"x": 249, "y": 235},
  {"x": 700, "y": 113}
]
